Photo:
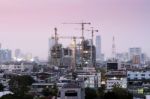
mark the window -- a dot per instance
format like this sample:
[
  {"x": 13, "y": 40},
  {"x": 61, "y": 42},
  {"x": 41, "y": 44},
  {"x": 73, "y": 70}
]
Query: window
[
  {"x": 142, "y": 74},
  {"x": 71, "y": 94}
]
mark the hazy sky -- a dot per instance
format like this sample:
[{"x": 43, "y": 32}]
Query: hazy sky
[{"x": 27, "y": 24}]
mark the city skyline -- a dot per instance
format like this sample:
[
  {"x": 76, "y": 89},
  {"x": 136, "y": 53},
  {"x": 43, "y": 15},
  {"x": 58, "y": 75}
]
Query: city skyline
[{"x": 28, "y": 24}]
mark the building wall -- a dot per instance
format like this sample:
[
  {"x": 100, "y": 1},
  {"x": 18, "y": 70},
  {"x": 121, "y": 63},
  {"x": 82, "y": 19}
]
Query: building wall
[
  {"x": 111, "y": 82},
  {"x": 138, "y": 75},
  {"x": 77, "y": 90}
]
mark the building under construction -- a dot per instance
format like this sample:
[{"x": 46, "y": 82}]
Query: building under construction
[
  {"x": 56, "y": 54},
  {"x": 82, "y": 54},
  {"x": 89, "y": 54}
]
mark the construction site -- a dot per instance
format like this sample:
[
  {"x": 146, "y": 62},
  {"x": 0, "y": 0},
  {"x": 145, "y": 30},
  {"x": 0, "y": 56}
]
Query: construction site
[{"x": 76, "y": 55}]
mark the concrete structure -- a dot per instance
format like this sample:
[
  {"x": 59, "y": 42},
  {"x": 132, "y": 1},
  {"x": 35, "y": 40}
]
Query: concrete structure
[
  {"x": 91, "y": 78},
  {"x": 56, "y": 55},
  {"x": 116, "y": 78},
  {"x": 88, "y": 59},
  {"x": 16, "y": 67},
  {"x": 72, "y": 91},
  {"x": 138, "y": 74}
]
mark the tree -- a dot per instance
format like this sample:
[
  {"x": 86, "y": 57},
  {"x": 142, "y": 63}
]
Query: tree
[
  {"x": 19, "y": 85},
  {"x": 14, "y": 96},
  {"x": 1, "y": 87},
  {"x": 46, "y": 92},
  {"x": 122, "y": 93},
  {"x": 90, "y": 93},
  {"x": 101, "y": 92},
  {"x": 50, "y": 91},
  {"x": 110, "y": 95},
  {"x": 54, "y": 90}
]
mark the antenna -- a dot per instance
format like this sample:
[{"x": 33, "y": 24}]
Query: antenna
[{"x": 113, "y": 49}]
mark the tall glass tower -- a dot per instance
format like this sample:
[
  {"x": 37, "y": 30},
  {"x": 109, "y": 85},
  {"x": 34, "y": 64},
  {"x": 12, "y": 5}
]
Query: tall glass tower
[{"x": 98, "y": 48}]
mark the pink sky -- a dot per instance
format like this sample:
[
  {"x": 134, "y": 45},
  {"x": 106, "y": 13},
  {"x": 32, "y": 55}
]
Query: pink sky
[{"x": 27, "y": 24}]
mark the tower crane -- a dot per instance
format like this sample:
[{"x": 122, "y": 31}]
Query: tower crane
[
  {"x": 82, "y": 26},
  {"x": 56, "y": 35},
  {"x": 92, "y": 32},
  {"x": 82, "y": 30}
]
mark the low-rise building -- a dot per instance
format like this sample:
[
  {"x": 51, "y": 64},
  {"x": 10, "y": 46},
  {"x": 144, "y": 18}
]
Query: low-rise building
[
  {"x": 116, "y": 78},
  {"x": 72, "y": 91}
]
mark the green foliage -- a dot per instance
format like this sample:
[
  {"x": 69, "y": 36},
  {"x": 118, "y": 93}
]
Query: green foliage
[
  {"x": 116, "y": 93},
  {"x": 20, "y": 84},
  {"x": 90, "y": 93},
  {"x": 122, "y": 93},
  {"x": 101, "y": 92},
  {"x": 14, "y": 96},
  {"x": 1, "y": 87},
  {"x": 110, "y": 95},
  {"x": 50, "y": 91},
  {"x": 54, "y": 90},
  {"x": 46, "y": 92}
]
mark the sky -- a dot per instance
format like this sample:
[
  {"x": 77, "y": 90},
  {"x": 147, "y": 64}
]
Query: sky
[{"x": 27, "y": 24}]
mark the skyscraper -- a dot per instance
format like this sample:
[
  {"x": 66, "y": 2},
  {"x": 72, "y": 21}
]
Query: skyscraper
[
  {"x": 51, "y": 43},
  {"x": 135, "y": 55},
  {"x": 5, "y": 55},
  {"x": 98, "y": 48},
  {"x": 18, "y": 53}
]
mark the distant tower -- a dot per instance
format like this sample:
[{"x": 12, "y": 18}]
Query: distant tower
[
  {"x": 98, "y": 48},
  {"x": 18, "y": 53},
  {"x": 113, "y": 49}
]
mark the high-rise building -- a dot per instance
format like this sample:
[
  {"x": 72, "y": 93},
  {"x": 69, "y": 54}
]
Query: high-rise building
[
  {"x": 5, "y": 55},
  {"x": 89, "y": 53},
  {"x": 18, "y": 53},
  {"x": 123, "y": 57},
  {"x": 56, "y": 54},
  {"x": 135, "y": 55},
  {"x": 98, "y": 48}
]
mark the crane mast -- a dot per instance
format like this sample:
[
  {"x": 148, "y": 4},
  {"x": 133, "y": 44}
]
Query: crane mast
[
  {"x": 82, "y": 35},
  {"x": 92, "y": 32},
  {"x": 74, "y": 48}
]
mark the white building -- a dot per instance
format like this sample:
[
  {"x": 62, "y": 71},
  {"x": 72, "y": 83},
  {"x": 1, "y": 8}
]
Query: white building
[
  {"x": 93, "y": 81},
  {"x": 91, "y": 78},
  {"x": 116, "y": 78},
  {"x": 138, "y": 74},
  {"x": 121, "y": 82},
  {"x": 16, "y": 67}
]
